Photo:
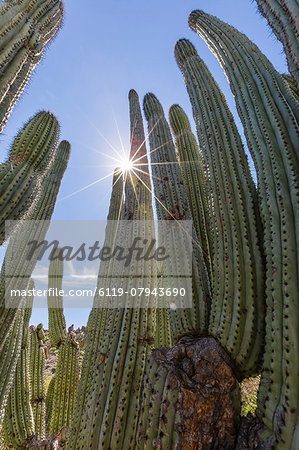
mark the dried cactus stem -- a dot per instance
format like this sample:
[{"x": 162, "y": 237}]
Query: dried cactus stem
[{"x": 191, "y": 398}]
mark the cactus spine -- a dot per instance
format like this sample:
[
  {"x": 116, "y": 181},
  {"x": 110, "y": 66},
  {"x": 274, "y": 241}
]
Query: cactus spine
[
  {"x": 283, "y": 18},
  {"x": 21, "y": 176},
  {"x": 37, "y": 378},
  {"x": 269, "y": 113},
  {"x": 26, "y": 27},
  {"x": 18, "y": 423}
]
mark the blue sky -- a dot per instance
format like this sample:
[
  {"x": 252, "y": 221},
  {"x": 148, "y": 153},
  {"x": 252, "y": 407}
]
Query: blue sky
[{"x": 104, "y": 49}]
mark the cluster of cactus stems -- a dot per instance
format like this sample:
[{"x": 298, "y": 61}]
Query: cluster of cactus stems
[
  {"x": 26, "y": 27},
  {"x": 234, "y": 222},
  {"x": 283, "y": 18},
  {"x": 118, "y": 339},
  {"x": 244, "y": 256},
  {"x": 172, "y": 204},
  {"x": 269, "y": 114},
  {"x": 18, "y": 423},
  {"x": 11, "y": 317}
]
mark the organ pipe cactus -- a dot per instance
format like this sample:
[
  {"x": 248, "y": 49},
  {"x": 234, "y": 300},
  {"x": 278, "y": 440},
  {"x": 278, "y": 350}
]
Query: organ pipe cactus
[
  {"x": 283, "y": 18},
  {"x": 269, "y": 114},
  {"x": 94, "y": 353},
  {"x": 234, "y": 218},
  {"x": 49, "y": 403},
  {"x": 109, "y": 402},
  {"x": 18, "y": 423},
  {"x": 21, "y": 176},
  {"x": 194, "y": 179},
  {"x": 65, "y": 386},
  {"x": 61, "y": 396},
  {"x": 37, "y": 378},
  {"x": 57, "y": 327},
  {"x": 11, "y": 318},
  {"x": 26, "y": 27},
  {"x": 172, "y": 203}
]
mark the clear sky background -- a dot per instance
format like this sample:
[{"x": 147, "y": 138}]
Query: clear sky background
[{"x": 104, "y": 49}]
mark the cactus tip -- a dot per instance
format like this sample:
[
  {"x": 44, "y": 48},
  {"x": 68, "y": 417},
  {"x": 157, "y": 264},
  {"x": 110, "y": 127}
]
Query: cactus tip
[
  {"x": 183, "y": 49},
  {"x": 152, "y": 106}
]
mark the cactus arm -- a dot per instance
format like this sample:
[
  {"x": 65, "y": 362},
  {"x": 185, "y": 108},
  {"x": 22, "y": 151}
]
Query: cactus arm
[
  {"x": 37, "y": 379},
  {"x": 25, "y": 31},
  {"x": 49, "y": 403},
  {"x": 194, "y": 178},
  {"x": 22, "y": 174},
  {"x": 268, "y": 111},
  {"x": 283, "y": 18},
  {"x": 57, "y": 327},
  {"x": 65, "y": 386}
]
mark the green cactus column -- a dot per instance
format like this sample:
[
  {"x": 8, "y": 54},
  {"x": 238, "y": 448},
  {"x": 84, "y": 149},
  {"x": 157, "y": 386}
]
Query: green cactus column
[
  {"x": 49, "y": 403},
  {"x": 237, "y": 313},
  {"x": 194, "y": 179},
  {"x": 57, "y": 327},
  {"x": 172, "y": 204},
  {"x": 269, "y": 114},
  {"x": 113, "y": 367},
  {"x": 65, "y": 386},
  {"x": 37, "y": 379},
  {"x": 11, "y": 317},
  {"x": 21, "y": 176},
  {"x": 283, "y": 18},
  {"x": 26, "y": 27},
  {"x": 18, "y": 423}
]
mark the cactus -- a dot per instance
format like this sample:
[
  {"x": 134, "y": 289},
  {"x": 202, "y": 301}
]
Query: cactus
[
  {"x": 268, "y": 110},
  {"x": 49, "y": 403},
  {"x": 57, "y": 327},
  {"x": 190, "y": 399},
  {"x": 172, "y": 203},
  {"x": 65, "y": 386},
  {"x": 18, "y": 423},
  {"x": 194, "y": 179},
  {"x": 283, "y": 17},
  {"x": 37, "y": 379},
  {"x": 21, "y": 176},
  {"x": 113, "y": 367},
  {"x": 235, "y": 222},
  {"x": 11, "y": 308},
  {"x": 26, "y": 27}
]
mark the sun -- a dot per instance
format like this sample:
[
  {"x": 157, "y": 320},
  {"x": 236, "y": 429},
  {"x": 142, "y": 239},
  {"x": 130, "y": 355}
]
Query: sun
[{"x": 126, "y": 165}]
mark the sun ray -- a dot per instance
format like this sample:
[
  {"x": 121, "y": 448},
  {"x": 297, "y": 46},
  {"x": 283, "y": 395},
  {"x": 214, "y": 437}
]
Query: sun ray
[
  {"x": 85, "y": 187},
  {"x": 145, "y": 139},
  {"x": 171, "y": 215},
  {"x": 149, "y": 175},
  {"x": 152, "y": 151}
]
